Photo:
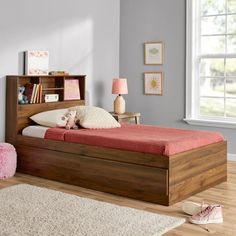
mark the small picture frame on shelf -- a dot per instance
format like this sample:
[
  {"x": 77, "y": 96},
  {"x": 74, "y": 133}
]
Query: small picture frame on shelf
[
  {"x": 153, "y": 53},
  {"x": 153, "y": 83},
  {"x": 71, "y": 89}
]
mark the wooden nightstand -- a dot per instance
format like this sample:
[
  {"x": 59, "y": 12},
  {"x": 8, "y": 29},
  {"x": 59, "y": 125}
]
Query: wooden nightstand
[{"x": 127, "y": 117}]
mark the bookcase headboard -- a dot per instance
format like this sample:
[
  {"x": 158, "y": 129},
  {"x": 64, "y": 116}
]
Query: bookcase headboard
[{"x": 17, "y": 115}]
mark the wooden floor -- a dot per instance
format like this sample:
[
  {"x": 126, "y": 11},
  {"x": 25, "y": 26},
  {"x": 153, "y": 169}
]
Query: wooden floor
[{"x": 224, "y": 194}]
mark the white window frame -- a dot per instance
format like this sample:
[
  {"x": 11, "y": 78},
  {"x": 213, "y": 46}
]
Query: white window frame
[{"x": 192, "y": 89}]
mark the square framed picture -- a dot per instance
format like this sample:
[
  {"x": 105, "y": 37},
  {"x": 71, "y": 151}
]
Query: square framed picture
[
  {"x": 154, "y": 53},
  {"x": 36, "y": 62},
  {"x": 153, "y": 83}
]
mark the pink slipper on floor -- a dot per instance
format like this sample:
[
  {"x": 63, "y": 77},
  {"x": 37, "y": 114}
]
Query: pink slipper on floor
[
  {"x": 192, "y": 208},
  {"x": 210, "y": 215}
]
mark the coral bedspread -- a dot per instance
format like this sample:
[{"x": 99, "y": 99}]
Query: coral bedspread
[{"x": 141, "y": 138}]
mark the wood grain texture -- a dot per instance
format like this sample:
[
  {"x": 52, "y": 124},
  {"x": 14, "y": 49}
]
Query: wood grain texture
[
  {"x": 155, "y": 178},
  {"x": 198, "y": 170},
  {"x": 17, "y": 116},
  {"x": 152, "y": 160},
  {"x": 144, "y": 183},
  {"x": 180, "y": 175},
  {"x": 11, "y": 109},
  {"x": 223, "y": 194}
]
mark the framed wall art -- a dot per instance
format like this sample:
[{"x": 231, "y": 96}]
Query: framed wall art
[
  {"x": 153, "y": 53},
  {"x": 153, "y": 83}
]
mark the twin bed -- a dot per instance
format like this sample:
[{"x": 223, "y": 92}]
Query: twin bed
[
  {"x": 148, "y": 163},
  {"x": 139, "y": 138}
]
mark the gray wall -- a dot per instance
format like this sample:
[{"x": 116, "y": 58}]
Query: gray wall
[
  {"x": 157, "y": 20},
  {"x": 82, "y": 37}
]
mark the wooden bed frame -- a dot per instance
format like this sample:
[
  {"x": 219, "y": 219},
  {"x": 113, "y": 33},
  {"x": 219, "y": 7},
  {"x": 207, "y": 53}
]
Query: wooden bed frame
[{"x": 154, "y": 178}]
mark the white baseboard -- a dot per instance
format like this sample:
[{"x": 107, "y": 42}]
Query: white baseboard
[{"x": 231, "y": 157}]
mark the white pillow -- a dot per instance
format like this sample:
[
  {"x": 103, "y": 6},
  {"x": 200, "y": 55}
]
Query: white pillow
[
  {"x": 49, "y": 118},
  {"x": 95, "y": 118}
]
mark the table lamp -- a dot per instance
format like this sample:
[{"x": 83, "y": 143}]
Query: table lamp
[{"x": 119, "y": 86}]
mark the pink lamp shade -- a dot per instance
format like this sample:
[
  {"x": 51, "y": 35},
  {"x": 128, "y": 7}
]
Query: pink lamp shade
[{"x": 119, "y": 86}]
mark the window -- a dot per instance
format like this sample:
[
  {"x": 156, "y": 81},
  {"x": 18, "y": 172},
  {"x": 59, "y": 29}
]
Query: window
[{"x": 211, "y": 62}]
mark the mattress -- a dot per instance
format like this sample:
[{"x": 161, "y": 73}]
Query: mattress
[
  {"x": 36, "y": 131},
  {"x": 140, "y": 138}
]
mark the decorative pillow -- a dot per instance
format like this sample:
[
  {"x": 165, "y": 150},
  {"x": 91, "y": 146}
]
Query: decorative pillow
[
  {"x": 95, "y": 118},
  {"x": 49, "y": 118}
]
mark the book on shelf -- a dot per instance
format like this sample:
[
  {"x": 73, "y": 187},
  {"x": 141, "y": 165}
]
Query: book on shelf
[
  {"x": 40, "y": 93},
  {"x": 71, "y": 89},
  {"x": 33, "y": 94},
  {"x": 36, "y": 94},
  {"x": 29, "y": 90},
  {"x": 59, "y": 72}
]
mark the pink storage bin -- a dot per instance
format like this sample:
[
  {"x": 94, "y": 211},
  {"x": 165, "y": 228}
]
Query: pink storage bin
[{"x": 7, "y": 160}]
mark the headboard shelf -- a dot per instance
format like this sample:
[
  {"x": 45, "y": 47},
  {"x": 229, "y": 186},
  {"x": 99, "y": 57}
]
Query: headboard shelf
[
  {"x": 48, "y": 89},
  {"x": 51, "y": 84},
  {"x": 17, "y": 115}
]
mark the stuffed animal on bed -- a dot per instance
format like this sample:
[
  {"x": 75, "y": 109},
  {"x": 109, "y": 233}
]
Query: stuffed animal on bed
[
  {"x": 71, "y": 120},
  {"x": 22, "y": 99}
]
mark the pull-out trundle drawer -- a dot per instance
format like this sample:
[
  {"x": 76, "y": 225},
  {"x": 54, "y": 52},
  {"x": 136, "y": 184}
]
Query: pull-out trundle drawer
[{"x": 131, "y": 180}]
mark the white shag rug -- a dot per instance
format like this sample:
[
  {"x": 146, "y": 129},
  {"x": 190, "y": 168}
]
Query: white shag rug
[{"x": 28, "y": 210}]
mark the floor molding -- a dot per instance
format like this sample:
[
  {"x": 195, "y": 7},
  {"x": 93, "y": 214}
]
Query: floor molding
[{"x": 231, "y": 157}]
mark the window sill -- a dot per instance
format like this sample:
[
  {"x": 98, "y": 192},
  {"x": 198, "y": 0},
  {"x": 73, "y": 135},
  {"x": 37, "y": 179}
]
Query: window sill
[{"x": 211, "y": 123}]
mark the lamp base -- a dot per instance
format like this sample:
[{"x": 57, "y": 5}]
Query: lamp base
[{"x": 119, "y": 105}]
